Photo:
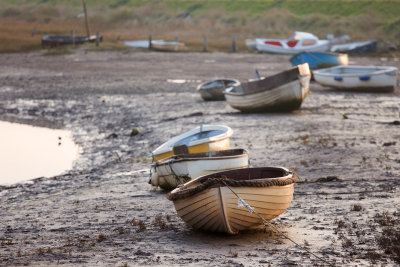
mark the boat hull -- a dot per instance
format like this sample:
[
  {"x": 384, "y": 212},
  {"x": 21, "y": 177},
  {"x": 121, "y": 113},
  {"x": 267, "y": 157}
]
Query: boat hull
[
  {"x": 213, "y": 90},
  {"x": 179, "y": 169},
  {"x": 355, "y": 47},
  {"x": 218, "y": 208},
  {"x": 318, "y": 60},
  {"x": 298, "y": 42},
  {"x": 358, "y": 78},
  {"x": 196, "y": 141},
  {"x": 283, "y": 92}
]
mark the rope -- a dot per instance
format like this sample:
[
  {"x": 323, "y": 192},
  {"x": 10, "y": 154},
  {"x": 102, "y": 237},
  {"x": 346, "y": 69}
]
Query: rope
[
  {"x": 187, "y": 192},
  {"x": 267, "y": 223}
]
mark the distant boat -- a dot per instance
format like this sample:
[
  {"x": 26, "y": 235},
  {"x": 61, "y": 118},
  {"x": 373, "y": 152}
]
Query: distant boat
[
  {"x": 159, "y": 45},
  {"x": 358, "y": 78},
  {"x": 284, "y": 91},
  {"x": 178, "y": 169},
  {"x": 207, "y": 203},
  {"x": 318, "y": 60},
  {"x": 213, "y": 90},
  {"x": 200, "y": 139},
  {"x": 55, "y": 40},
  {"x": 298, "y": 42},
  {"x": 355, "y": 47},
  {"x": 251, "y": 44}
]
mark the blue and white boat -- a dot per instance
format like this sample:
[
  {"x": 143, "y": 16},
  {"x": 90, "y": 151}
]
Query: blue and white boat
[
  {"x": 319, "y": 60},
  {"x": 359, "y": 78}
]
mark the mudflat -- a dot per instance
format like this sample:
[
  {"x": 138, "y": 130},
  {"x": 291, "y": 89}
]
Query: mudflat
[{"x": 343, "y": 145}]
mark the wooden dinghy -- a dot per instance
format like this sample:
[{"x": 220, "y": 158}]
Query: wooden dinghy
[
  {"x": 284, "y": 91},
  {"x": 200, "y": 139},
  {"x": 211, "y": 202},
  {"x": 179, "y": 169},
  {"x": 358, "y": 78},
  {"x": 214, "y": 90}
]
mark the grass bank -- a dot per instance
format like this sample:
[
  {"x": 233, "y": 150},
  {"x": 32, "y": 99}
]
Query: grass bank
[{"x": 24, "y": 22}]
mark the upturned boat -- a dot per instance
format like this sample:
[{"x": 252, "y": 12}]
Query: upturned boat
[
  {"x": 213, "y": 90},
  {"x": 230, "y": 201},
  {"x": 178, "y": 169},
  {"x": 319, "y": 60},
  {"x": 200, "y": 139},
  {"x": 298, "y": 42},
  {"x": 284, "y": 91},
  {"x": 355, "y": 47},
  {"x": 358, "y": 78}
]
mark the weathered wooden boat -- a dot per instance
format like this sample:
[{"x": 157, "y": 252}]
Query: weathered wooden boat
[
  {"x": 358, "y": 78},
  {"x": 214, "y": 90},
  {"x": 179, "y": 169},
  {"x": 200, "y": 139},
  {"x": 54, "y": 40},
  {"x": 355, "y": 47},
  {"x": 281, "y": 92},
  {"x": 298, "y": 42},
  {"x": 222, "y": 201},
  {"x": 319, "y": 60}
]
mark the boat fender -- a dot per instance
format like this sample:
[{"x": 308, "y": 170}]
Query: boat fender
[
  {"x": 154, "y": 179},
  {"x": 338, "y": 78},
  {"x": 364, "y": 78}
]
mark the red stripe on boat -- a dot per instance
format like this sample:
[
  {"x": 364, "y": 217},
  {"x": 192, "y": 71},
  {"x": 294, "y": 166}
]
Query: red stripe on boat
[
  {"x": 291, "y": 43},
  {"x": 273, "y": 43}
]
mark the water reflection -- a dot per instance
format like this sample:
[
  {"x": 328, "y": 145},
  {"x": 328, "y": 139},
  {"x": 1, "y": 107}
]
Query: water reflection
[{"x": 28, "y": 152}]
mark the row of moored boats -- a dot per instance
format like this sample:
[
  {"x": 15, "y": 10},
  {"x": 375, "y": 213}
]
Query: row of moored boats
[{"x": 213, "y": 187}]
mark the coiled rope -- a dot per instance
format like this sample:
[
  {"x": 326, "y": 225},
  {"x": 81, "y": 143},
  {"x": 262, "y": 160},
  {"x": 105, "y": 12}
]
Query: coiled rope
[{"x": 187, "y": 192}]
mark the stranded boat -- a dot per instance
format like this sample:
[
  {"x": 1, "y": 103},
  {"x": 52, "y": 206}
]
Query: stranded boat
[
  {"x": 358, "y": 78},
  {"x": 298, "y": 42},
  {"x": 284, "y": 91},
  {"x": 355, "y": 47},
  {"x": 178, "y": 169},
  {"x": 318, "y": 60},
  {"x": 200, "y": 139},
  {"x": 213, "y": 90},
  {"x": 220, "y": 201}
]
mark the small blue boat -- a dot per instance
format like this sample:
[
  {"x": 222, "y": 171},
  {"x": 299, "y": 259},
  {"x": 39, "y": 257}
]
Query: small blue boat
[{"x": 319, "y": 60}]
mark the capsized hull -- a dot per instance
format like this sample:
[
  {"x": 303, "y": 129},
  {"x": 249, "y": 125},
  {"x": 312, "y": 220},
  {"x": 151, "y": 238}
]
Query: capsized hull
[
  {"x": 218, "y": 209},
  {"x": 355, "y": 47},
  {"x": 282, "y": 92},
  {"x": 200, "y": 139},
  {"x": 359, "y": 78},
  {"x": 318, "y": 60},
  {"x": 171, "y": 172}
]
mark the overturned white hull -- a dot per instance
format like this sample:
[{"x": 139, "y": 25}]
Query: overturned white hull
[{"x": 358, "y": 78}]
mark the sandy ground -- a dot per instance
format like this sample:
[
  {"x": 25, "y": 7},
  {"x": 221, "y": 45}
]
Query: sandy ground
[{"x": 103, "y": 213}]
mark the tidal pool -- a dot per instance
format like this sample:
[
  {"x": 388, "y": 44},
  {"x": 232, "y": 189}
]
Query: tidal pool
[{"x": 28, "y": 152}]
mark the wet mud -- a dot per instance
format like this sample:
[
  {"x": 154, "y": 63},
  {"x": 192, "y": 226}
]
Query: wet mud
[{"x": 121, "y": 105}]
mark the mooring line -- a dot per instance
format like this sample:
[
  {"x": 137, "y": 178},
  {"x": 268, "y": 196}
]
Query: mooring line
[{"x": 267, "y": 223}]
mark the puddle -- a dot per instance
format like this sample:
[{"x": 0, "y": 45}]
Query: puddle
[{"x": 28, "y": 152}]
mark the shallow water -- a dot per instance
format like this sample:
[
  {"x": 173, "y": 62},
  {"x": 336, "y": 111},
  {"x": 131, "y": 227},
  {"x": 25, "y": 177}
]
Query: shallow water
[{"x": 28, "y": 152}]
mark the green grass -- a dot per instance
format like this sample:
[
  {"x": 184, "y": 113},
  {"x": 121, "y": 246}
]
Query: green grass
[{"x": 219, "y": 20}]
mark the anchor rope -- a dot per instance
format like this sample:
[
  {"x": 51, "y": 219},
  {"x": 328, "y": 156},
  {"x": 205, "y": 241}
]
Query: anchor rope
[{"x": 267, "y": 223}]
